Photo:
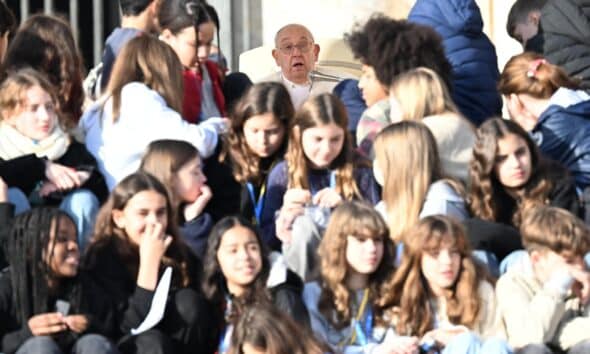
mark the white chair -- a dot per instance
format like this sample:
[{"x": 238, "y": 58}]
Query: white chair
[{"x": 335, "y": 55}]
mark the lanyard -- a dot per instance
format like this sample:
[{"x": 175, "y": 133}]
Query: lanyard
[
  {"x": 359, "y": 333},
  {"x": 332, "y": 183},
  {"x": 258, "y": 204},
  {"x": 226, "y": 337}
]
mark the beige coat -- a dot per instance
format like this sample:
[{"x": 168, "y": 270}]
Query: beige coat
[{"x": 534, "y": 314}]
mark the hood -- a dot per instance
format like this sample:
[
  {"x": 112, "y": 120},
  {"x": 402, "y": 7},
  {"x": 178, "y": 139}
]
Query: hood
[
  {"x": 565, "y": 97},
  {"x": 455, "y": 15}
]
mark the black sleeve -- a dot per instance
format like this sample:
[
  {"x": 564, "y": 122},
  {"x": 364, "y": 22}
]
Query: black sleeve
[
  {"x": 23, "y": 172},
  {"x": 13, "y": 335},
  {"x": 78, "y": 157},
  {"x": 564, "y": 195},
  {"x": 288, "y": 298},
  {"x": 6, "y": 215}
]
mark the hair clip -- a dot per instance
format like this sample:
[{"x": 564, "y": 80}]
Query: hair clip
[{"x": 534, "y": 67}]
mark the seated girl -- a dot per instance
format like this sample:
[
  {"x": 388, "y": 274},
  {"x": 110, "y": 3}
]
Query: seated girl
[
  {"x": 507, "y": 176},
  {"x": 141, "y": 105},
  {"x": 238, "y": 274},
  {"x": 319, "y": 172},
  {"x": 178, "y": 166},
  {"x": 46, "y": 304},
  {"x": 408, "y": 167},
  {"x": 421, "y": 95},
  {"x": 134, "y": 241},
  {"x": 256, "y": 142},
  {"x": 552, "y": 107},
  {"x": 40, "y": 163},
  {"x": 347, "y": 305},
  {"x": 443, "y": 301}
]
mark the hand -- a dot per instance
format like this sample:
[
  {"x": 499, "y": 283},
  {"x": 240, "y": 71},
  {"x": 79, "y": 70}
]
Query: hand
[
  {"x": 519, "y": 113},
  {"x": 327, "y": 198},
  {"x": 581, "y": 285},
  {"x": 403, "y": 345},
  {"x": 154, "y": 243},
  {"x": 83, "y": 176},
  {"x": 77, "y": 323},
  {"x": 63, "y": 177},
  {"x": 3, "y": 191},
  {"x": 47, "y": 188},
  {"x": 443, "y": 336},
  {"x": 152, "y": 247},
  {"x": 296, "y": 198},
  {"x": 47, "y": 323},
  {"x": 195, "y": 208}
]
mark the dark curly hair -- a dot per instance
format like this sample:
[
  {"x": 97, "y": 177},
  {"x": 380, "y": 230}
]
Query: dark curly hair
[
  {"x": 486, "y": 193},
  {"x": 392, "y": 47}
]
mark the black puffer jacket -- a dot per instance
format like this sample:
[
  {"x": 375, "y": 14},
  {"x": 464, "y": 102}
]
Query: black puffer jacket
[{"x": 566, "y": 26}]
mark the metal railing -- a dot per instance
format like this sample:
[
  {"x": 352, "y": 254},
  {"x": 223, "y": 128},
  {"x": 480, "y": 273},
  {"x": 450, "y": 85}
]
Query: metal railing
[{"x": 97, "y": 20}]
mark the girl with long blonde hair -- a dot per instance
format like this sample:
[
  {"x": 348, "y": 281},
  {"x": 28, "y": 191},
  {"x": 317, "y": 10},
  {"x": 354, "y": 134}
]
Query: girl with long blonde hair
[
  {"x": 441, "y": 296},
  {"x": 408, "y": 167},
  {"x": 348, "y": 304},
  {"x": 421, "y": 95},
  {"x": 319, "y": 172}
]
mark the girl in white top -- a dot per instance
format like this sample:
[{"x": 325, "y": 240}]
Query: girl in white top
[{"x": 142, "y": 103}]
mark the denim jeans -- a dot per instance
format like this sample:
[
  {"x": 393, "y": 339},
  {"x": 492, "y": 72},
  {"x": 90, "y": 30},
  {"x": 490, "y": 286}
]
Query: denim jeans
[
  {"x": 81, "y": 204},
  {"x": 87, "y": 344}
]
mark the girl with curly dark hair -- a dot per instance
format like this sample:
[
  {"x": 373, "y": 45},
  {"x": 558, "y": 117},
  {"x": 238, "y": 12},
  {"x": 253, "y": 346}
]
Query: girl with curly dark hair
[{"x": 507, "y": 176}]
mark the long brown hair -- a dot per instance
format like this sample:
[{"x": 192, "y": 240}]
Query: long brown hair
[
  {"x": 407, "y": 155},
  {"x": 321, "y": 110},
  {"x": 529, "y": 73},
  {"x": 148, "y": 60},
  {"x": 261, "y": 98},
  {"x": 411, "y": 293},
  {"x": 362, "y": 221},
  {"x": 485, "y": 190},
  {"x": 267, "y": 328},
  {"x": 107, "y": 232},
  {"x": 163, "y": 158}
]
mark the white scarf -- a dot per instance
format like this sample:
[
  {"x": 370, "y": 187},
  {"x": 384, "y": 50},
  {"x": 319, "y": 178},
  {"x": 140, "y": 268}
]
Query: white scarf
[{"x": 13, "y": 144}]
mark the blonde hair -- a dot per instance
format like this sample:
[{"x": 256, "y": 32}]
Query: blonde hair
[
  {"x": 421, "y": 93},
  {"x": 13, "y": 90},
  {"x": 362, "y": 221},
  {"x": 148, "y": 60},
  {"x": 407, "y": 156},
  {"x": 529, "y": 73},
  {"x": 317, "y": 111}
]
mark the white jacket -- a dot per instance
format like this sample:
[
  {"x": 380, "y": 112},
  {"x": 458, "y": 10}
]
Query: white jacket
[{"x": 144, "y": 117}]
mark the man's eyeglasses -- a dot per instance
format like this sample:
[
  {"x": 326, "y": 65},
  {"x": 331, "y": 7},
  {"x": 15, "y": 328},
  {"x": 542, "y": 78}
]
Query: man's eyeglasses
[{"x": 303, "y": 47}]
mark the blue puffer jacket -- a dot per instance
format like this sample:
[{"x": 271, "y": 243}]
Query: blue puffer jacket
[
  {"x": 470, "y": 52},
  {"x": 563, "y": 133}
]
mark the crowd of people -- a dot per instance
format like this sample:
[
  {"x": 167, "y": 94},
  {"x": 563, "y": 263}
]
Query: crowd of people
[{"x": 166, "y": 205}]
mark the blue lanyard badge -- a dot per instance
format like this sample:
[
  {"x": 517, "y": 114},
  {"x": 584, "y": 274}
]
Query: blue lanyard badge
[
  {"x": 258, "y": 204},
  {"x": 225, "y": 340},
  {"x": 363, "y": 334},
  {"x": 332, "y": 184}
]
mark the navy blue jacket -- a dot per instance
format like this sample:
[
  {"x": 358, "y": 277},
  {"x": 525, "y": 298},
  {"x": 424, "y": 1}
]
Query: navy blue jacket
[
  {"x": 563, "y": 134},
  {"x": 470, "y": 52}
]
